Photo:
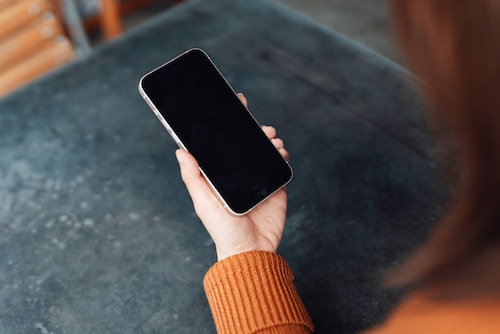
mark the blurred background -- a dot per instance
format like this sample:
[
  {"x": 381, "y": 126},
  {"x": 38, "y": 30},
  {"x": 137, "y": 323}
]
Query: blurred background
[
  {"x": 365, "y": 21},
  {"x": 38, "y": 36}
]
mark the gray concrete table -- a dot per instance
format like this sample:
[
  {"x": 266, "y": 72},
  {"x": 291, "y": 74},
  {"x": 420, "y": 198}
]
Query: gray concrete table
[{"x": 97, "y": 233}]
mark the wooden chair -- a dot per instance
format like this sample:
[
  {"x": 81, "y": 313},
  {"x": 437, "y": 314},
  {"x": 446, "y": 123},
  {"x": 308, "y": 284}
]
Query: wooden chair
[
  {"x": 32, "y": 42},
  {"x": 34, "y": 35},
  {"x": 114, "y": 10}
]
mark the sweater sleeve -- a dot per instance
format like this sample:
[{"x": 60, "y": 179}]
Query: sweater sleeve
[{"x": 254, "y": 293}]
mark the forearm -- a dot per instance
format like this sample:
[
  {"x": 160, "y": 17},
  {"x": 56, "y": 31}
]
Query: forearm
[{"x": 254, "y": 293}]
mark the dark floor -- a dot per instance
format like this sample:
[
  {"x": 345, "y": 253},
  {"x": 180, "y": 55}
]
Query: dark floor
[{"x": 365, "y": 21}]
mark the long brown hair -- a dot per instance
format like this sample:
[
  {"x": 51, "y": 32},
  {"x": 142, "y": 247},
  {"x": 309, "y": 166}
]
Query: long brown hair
[{"x": 454, "y": 47}]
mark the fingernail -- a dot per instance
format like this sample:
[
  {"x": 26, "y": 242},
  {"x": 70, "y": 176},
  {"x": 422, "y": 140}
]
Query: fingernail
[{"x": 178, "y": 156}]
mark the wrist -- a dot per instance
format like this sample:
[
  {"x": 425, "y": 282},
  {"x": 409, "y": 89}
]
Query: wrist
[{"x": 224, "y": 254}]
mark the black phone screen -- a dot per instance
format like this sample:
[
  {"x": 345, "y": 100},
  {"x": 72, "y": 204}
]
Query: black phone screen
[{"x": 208, "y": 118}]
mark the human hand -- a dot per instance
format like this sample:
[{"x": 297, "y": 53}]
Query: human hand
[{"x": 260, "y": 229}]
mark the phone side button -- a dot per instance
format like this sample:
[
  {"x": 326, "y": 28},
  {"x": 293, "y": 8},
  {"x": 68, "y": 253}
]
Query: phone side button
[{"x": 176, "y": 139}]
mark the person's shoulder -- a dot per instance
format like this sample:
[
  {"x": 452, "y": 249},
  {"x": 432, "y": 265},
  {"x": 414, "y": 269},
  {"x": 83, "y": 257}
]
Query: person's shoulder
[{"x": 421, "y": 313}]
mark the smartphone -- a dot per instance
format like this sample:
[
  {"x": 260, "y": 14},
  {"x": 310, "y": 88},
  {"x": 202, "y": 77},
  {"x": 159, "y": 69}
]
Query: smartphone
[{"x": 205, "y": 117}]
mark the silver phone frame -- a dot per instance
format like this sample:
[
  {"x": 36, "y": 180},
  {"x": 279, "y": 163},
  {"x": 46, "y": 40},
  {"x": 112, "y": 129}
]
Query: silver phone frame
[{"x": 181, "y": 145}]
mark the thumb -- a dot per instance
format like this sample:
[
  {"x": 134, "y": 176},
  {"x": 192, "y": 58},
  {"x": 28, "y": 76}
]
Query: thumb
[
  {"x": 188, "y": 165},
  {"x": 198, "y": 189}
]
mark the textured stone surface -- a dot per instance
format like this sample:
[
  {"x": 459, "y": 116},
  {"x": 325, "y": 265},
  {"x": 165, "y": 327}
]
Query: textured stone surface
[{"x": 97, "y": 233}]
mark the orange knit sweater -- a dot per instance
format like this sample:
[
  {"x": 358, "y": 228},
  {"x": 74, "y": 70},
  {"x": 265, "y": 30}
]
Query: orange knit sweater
[{"x": 254, "y": 293}]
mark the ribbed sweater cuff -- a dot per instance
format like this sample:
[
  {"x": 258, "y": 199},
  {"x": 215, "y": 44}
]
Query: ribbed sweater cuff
[{"x": 253, "y": 292}]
